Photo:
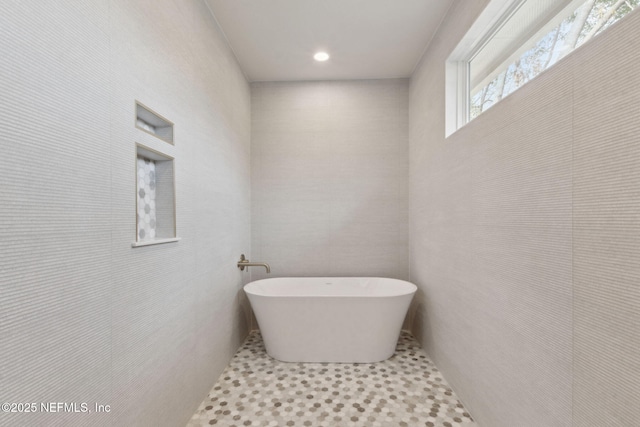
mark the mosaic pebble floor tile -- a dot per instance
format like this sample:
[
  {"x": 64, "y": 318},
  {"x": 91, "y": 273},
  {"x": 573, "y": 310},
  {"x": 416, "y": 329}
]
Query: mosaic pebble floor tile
[{"x": 406, "y": 390}]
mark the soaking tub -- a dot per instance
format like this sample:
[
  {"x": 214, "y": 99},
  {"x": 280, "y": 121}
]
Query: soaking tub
[{"x": 330, "y": 319}]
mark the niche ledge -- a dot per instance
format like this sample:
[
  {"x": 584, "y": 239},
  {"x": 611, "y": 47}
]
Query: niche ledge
[
  {"x": 154, "y": 242},
  {"x": 152, "y": 123}
]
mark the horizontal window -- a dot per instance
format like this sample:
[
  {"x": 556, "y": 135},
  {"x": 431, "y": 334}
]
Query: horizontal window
[{"x": 501, "y": 54}]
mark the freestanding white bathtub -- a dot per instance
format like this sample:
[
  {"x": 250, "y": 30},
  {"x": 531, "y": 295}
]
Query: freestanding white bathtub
[{"x": 330, "y": 319}]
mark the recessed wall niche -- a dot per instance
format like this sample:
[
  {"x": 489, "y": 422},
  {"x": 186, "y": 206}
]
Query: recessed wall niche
[
  {"x": 153, "y": 123},
  {"x": 155, "y": 198}
]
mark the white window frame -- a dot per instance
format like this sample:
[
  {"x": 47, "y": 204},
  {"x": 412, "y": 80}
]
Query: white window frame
[
  {"x": 457, "y": 65},
  {"x": 491, "y": 20}
]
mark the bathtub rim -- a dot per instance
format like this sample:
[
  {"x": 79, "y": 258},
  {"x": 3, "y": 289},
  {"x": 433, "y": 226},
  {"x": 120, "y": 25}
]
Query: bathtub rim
[{"x": 410, "y": 288}]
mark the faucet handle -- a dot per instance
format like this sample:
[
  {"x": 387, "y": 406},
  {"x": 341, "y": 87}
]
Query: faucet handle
[{"x": 243, "y": 260}]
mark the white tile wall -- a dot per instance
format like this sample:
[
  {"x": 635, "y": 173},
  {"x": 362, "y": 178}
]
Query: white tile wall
[
  {"x": 329, "y": 178},
  {"x": 83, "y": 316},
  {"x": 606, "y": 229},
  {"x": 524, "y": 237}
]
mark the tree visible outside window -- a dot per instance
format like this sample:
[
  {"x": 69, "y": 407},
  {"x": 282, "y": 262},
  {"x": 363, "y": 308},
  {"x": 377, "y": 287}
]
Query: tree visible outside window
[{"x": 586, "y": 22}]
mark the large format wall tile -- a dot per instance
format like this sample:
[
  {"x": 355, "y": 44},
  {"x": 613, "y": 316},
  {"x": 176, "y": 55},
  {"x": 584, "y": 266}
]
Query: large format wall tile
[
  {"x": 55, "y": 331},
  {"x": 84, "y": 317},
  {"x": 524, "y": 238},
  {"x": 606, "y": 212},
  {"x": 329, "y": 174}
]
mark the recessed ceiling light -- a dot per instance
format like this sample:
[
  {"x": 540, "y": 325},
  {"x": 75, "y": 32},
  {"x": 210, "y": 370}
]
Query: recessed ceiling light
[{"x": 321, "y": 56}]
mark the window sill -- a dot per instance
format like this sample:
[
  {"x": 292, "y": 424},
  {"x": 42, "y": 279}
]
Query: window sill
[{"x": 154, "y": 242}]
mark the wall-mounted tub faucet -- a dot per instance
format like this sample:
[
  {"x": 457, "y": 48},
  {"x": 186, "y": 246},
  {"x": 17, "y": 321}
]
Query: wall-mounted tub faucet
[{"x": 245, "y": 263}]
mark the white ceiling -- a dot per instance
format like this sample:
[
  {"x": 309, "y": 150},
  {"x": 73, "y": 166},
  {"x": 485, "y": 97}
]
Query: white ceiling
[{"x": 274, "y": 40}]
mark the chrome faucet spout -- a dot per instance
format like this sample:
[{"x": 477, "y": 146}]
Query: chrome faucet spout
[{"x": 245, "y": 263}]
